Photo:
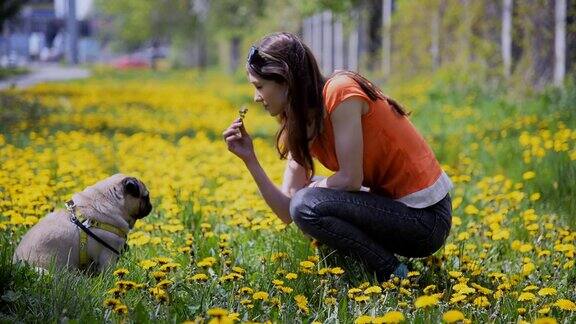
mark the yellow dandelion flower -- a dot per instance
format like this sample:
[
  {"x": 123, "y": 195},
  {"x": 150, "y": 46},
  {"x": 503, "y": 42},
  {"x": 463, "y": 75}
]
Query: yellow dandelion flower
[
  {"x": 112, "y": 302},
  {"x": 430, "y": 288},
  {"x": 544, "y": 310},
  {"x": 285, "y": 289},
  {"x": 147, "y": 264},
  {"x": 521, "y": 311},
  {"x": 361, "y": 299},
  {"x": 246, "y": 290},
  {"x": 238, "y": 270},
  {"x": 471, "y": 210},
  {"x": 565, "y": 304},
  {"x": 117, "y": 292},
  {"x": 373, "y": 290},
  {"x": 413, "y": 274},
  {"x": 163, "y": 260},
  {"x": 217, "y": 312},
  {"x": 481, "y": 302},
  {"x": 455, "y": 274},
  {"x": 336, "y": 271},
  {"x": 529, "y": 175},
  {"x": 121, "y": 272},
  {"x": 391, "y": 317},
  {"x": 169, "y": 266},
  {"x": 260, "y": 295},
  {"x": 530, "y": 288},
  {"x": 159, "y": 275},
  {"x": 291, "y": 276},
  {"x": 456, "y": 298},
  {"x": 545, "y": 320},
  {"x": 199, "y": 277},
  {"x": 547, "y": 291},
  {"x": 426, "y": 301},
  {"x": 330, "y": 301},
  {"x": 453, "y": 316},
  {"x": 404, "y": 291},
  {"x": 307, "y": 264},
  {"x": 463, "y": 289},
  {"x": 302, "y": 303},
  {"x": 165, "y": 284},
  {"x": 528, "y": 268},
  {"x": 121, "y": 309},
  {"x": 352, "y": 292},
  {"x": 526, "y": 296},
  {"x": 363, "y": 319}
]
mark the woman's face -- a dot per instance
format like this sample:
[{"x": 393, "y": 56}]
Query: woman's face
[{"x": 272, "y": 95}]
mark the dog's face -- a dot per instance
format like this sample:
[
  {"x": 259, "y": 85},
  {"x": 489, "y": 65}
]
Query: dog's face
[
  {"x": 128, "y": 193},
  {"x": 136, "y": 198}
]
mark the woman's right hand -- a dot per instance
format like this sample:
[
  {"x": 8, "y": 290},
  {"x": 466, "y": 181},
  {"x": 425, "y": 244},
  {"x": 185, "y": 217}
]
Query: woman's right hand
[{"x": 238, "y": 140}]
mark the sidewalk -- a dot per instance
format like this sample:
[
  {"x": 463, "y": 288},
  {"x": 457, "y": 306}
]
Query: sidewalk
[{"x": 44, "y": 73}]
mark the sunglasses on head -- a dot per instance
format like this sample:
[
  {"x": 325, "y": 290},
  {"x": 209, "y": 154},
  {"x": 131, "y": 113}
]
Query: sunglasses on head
[{"x": 256, "y": 56}]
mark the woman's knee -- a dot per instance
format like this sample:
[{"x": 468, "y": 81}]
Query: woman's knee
[{"x": 302, "y": 205}]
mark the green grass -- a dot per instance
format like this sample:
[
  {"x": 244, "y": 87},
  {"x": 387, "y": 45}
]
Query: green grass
[
  {"x": 11, "y": 72},
  {"x": 482, "y": 145}
]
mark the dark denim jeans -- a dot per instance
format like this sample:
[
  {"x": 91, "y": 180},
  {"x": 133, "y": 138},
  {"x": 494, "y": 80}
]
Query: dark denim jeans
[{"x": 370, "y": 226}]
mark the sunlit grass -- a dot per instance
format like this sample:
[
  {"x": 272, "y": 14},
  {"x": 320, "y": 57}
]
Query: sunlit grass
[{"x": 211, "y": 249}]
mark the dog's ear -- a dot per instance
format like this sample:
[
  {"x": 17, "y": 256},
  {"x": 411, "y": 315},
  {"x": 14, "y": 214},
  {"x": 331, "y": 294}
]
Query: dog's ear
[{"x": 131, "y": 187}]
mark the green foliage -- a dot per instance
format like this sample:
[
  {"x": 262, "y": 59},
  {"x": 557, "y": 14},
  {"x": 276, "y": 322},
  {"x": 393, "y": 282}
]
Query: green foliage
[
  {"x": 9, "y": 9},
  {"x": 11, "y": 72}
]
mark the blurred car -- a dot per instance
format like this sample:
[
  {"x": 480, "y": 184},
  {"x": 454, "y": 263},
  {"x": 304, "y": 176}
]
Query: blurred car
[{"x": 131, "y": 62}]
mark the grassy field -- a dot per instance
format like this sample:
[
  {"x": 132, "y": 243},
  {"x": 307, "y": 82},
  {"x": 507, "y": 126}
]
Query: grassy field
[{"x": 211, "y": 251}]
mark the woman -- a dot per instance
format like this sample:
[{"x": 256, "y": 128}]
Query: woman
[{"x": 388, "y": 194}]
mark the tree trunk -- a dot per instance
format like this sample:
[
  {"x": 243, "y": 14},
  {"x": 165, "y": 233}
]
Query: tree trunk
[
  {"x": 559, "y": 42},
  {"x": 72, "y": 33},
  {"x": 507, "y": 37},
  {"x": 307, "y": 31},
  {"x": 317, "y": 37},
  {"x": 374, "y": 41},
  {"x": 386, "y": 37},
  {"x": 338, "y": 46},
  {"x": 465, "y": 33},
  {"x": 352, "y": 57},
  {"x": 571, "y": 37},
  {"x": 435, "y": 38},
  {"x": 542, "y": 54},
  {"x": 234, "y": 53},
  {"x": 354, "y": 42},
  {"x": 327, "y": 46}
]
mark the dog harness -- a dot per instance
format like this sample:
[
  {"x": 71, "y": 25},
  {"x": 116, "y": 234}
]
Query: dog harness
[{"x": 84, "y": 224}]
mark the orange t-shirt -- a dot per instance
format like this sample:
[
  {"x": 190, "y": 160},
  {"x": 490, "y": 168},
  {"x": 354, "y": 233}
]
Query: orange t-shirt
[{"x": 397, "y": 161}]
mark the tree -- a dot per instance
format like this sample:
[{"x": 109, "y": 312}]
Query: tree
[
  {"x": 9, "y": 9},
  {"x": 560, "y": 42},
  {"x": 232, "y": 20},
  {"x": 507, "y": 37}
]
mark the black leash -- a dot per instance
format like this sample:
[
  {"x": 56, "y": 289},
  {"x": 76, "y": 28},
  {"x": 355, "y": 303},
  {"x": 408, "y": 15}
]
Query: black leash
[
  {"x": 70, "y": 206},
  {"x": 92, "y": 235}
]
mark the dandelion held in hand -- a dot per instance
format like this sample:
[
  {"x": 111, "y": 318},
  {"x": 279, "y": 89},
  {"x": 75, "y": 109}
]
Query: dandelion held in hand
[{"x": 242, "y": 112}]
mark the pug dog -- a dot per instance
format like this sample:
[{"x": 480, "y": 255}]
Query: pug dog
[{"x": 118, "y": 201}]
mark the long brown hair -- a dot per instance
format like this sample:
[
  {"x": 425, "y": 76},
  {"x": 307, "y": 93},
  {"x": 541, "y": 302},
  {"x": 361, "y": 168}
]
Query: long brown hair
[
  {"x": 372, "y": 91},
  {"x": 284, "y": 58}
]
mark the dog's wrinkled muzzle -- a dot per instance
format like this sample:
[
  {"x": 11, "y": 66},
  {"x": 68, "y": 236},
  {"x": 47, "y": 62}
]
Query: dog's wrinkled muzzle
[{"x": 145, "y": 209}]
